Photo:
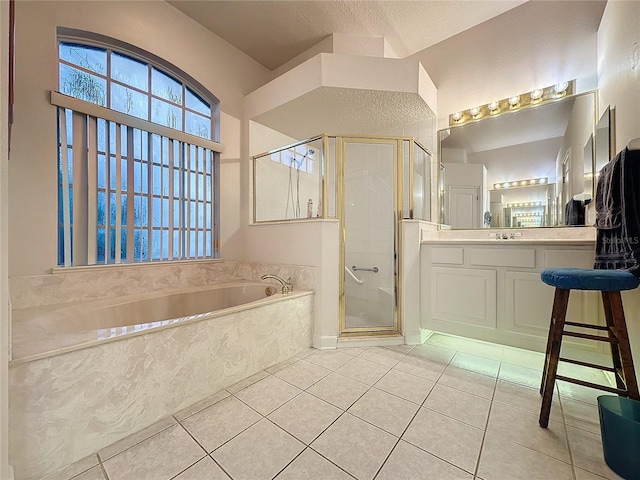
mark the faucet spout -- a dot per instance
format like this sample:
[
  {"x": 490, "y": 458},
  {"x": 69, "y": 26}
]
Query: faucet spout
[{"x": 287, "y": 286}]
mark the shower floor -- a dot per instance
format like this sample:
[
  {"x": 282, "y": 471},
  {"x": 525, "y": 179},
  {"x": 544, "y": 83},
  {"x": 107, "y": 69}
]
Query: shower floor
[{"x": 451, "y": 408}]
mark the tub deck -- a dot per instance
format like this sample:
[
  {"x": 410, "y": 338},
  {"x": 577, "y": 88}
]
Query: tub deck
[{"x": 45, "y": 331}]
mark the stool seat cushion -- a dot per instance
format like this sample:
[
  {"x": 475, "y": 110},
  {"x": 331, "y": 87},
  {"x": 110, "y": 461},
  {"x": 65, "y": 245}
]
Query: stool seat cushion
[{"x": 587, "y": 279}]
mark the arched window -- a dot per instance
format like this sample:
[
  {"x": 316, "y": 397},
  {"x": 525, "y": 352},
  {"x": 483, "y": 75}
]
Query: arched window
[{"x": 138, "y": 179}]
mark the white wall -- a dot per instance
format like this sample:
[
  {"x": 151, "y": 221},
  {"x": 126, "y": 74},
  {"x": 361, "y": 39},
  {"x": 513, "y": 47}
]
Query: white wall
[
  {"x": 5, "y": 472},
  {"x": 156, "y": 27},
  {"x": 499, "y": 58},
  {"x": 315, "y": 244},
  {"x": 619, "y": 86}
]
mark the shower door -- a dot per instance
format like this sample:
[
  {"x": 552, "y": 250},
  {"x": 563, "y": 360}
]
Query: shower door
[{"x": 369, "y": 236}]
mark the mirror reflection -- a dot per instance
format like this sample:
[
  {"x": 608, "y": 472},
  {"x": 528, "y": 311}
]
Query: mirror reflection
[{"x": 528, "y": 168}]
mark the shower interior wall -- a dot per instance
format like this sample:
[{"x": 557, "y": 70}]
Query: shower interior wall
[{"x": 369, "y": 224}]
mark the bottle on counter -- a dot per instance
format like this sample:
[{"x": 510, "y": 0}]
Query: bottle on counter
[{"x": 310, "y": 208}]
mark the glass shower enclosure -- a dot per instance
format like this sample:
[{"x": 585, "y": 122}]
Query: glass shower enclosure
[{"x": 370, "y": 184}]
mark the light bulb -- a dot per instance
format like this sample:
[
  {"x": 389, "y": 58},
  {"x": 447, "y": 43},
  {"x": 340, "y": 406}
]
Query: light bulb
[
  {"x": 513, "y": 101},
  {"x": 474, "y": 111},
  {"x": 493, "y": 106},
  {"x": 505, "y": 185},
  {"x": 536, "y": 94},
  {"x": 456, "y": 116},
  {"x": 543, "y": 180},
  {"x": 559, "y": 88}
]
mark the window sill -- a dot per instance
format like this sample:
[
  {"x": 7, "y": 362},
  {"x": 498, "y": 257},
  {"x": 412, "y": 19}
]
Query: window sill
[{"x": 118, "y": 266}]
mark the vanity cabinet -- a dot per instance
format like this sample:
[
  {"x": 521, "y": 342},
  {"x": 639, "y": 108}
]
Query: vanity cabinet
[{"x": 492, "y": 291}]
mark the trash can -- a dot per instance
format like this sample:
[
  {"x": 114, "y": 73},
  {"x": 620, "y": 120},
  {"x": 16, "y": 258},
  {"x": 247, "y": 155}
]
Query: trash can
[{"x": 620, "y": 427}]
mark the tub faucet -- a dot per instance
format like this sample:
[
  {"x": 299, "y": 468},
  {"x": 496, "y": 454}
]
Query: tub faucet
[{"x": 287, "y": 286}]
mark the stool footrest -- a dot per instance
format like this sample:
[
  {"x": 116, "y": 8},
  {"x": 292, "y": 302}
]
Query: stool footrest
[
  {"x": 586, "y": 364},
  {"x": 597, "y": 338},
  {"x": 587, "y": 325},
  {"x": 617, "y": 391}
]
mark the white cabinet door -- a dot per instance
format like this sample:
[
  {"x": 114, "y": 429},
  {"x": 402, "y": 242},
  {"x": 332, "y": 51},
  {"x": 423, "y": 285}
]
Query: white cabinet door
[
  {"x": 529, "y": 302},
  {"x": 462, "y": 295}
]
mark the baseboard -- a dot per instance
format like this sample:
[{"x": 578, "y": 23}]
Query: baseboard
[
  {"x": 417, "y": 337},
  {"x": 324, "y": 342}
]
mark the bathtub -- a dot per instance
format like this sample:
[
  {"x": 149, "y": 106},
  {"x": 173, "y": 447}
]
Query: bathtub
[{"x": 83, "y": 376}]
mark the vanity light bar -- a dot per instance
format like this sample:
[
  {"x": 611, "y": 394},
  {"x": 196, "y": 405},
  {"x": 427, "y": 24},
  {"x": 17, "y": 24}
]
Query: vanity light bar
[
  {"x": 536, "y": 97},
  {"x": 528, "y": 214},
  {"x": 525, "y": 204},
  {"x": 521, "y": 183}
]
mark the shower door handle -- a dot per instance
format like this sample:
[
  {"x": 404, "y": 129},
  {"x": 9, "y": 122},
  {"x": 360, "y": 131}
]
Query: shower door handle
[{"x": 374, "y": 269}]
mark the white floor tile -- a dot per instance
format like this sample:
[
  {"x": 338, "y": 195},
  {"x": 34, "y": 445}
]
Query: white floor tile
[
  {"x": 446, "y": 438},
  {"x": 381, "y": 355},
  {"x": 525, "y": 398},
  {"x": 433, "y": 353},
  {"x": 302, "y": 374},
  {"x": 311, "y": 466},
  {"x": 460, "y": 405},
  {"x": 502, "y": 459},
  {"x": 355, "y": 446},
  {"x": 584, "y": 416},
  {"x": 220, "y": 422},
  {"x": 407, "y": 462},
  {"x": 586, "y": 448},
  {"x": 363, "y": 371},
  {"x": 421, "y": 367},
  {"x": 520, "y": 375},
  {"x": 338, "y": 390},
  {"x": 386, "y": 411},
  {"x": 268, "y": 394},
  {"x": 476, "y": 364},
  {"x": 162, "y": 456},
  {"x": 482, "y": 349},
  {"x": 205, "y": 469},
  {"x": 467, "y": 381},
  {"x": 77, "y": 468},
  {"x": 330, "y": 359},
  {"x": 258, "y": 453},
  {"x": 305, "y": 417},
  {"x": 405, "y": 385},
  {"x": 523, "y": 428}
]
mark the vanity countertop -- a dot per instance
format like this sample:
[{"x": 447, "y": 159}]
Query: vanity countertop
[{"x": 512, "y": 242}]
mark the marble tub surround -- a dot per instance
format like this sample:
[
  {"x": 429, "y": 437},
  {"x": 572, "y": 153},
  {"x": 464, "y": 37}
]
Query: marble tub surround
[
  {"x": 40, "y": 332},
  {"x": 311, "y": 418},
  {"x": 81, "y": 284},
  {"x": 64, "y": 407}
]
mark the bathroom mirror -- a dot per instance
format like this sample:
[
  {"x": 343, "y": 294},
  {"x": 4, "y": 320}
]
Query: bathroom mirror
[
  {"x": 523, "y": 167},
  {"x": 605, "y": 147}
]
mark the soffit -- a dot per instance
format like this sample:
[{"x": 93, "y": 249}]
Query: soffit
[{"x": 345, "y": 111}]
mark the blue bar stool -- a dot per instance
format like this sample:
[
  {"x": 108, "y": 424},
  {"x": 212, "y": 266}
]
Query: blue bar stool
[{"x": 610, "y": 283}]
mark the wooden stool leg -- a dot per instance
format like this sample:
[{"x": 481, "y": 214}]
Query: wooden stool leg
[
  {"x": 558, "y": 315},
  {"x": 615, "y": 351},
  {"x": 617, "y": 312}
]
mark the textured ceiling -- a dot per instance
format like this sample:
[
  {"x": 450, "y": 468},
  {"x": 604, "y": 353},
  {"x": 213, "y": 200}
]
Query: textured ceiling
[
  {"x": 274, "y": 32},
  {"x": 345, "y": 111}
]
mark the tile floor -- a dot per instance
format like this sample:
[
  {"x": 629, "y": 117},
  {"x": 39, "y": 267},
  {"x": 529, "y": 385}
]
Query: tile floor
[{"x": 449, "y": 409}]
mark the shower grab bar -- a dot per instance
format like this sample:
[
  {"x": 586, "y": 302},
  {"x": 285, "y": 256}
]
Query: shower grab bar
[
  {"x": 374, "y": 269},
  {"x": 356, "y": 279}
]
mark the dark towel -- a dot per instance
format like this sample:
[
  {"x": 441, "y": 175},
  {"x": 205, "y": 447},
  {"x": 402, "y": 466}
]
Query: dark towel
[
  {"x": 618, "y": 214},
  {"x": 574, "y": 212}
]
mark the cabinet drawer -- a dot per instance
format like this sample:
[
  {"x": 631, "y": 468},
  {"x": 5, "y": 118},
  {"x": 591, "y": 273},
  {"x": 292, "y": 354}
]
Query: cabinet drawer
[{"x": 503, "y": 257}]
